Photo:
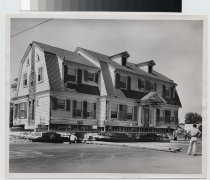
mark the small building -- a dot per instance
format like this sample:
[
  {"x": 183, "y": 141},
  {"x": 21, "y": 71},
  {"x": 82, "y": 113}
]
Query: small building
[{"x": 86, "y": 91}]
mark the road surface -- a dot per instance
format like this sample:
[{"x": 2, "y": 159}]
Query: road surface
[{"x": 90, "y": 158}]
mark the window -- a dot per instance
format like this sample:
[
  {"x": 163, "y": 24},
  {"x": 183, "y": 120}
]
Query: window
[
  {"x": 167, "y": 116},
  {"x": 61, "y": 104},
  {"x": 167, "y": 92},
  {"x": 25, "y": 81},
  {"x": 163, "y": 90},
  {"x": 72, "y": 75},
  {"x": 123, "y": 81},
  {"x": 90, "y": 76},
  {"x": 148, "y": 86},
  {"x": 77, "y": 108},
  {"x": 122, "y": 112},
  {"x": 28, "y": 62},
  {"x": 155, "y": 87},
  {"x": 38, "y": 59},
  {"x": 40, "y": 74},
  {"x": 130, "y": 112},
  {"x": 140, "y": 84},
  {"x": 90, "y": 107},
  {"x": 114, "y": 109},
  {"x": 15, "y": 110},
  {"x": 23, "y": 110}
]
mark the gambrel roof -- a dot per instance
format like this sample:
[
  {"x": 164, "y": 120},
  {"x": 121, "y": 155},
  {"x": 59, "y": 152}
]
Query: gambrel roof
[
  {"x": 131, "y": 68},
  {"x": 56, "y": 83},
  {"x": 65, "y": 54}
]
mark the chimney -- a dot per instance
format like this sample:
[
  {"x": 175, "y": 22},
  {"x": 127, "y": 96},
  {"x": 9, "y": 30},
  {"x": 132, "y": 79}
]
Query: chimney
[{"x": 121, "y": 58}]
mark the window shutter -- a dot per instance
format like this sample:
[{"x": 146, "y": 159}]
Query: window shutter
[
  {"x": 125, "y": 112},
  {"x": 139, "y": 83},
  {"x": 54, "y": 103},
  {"x": 84, "y": 109},
  {"x": 96, "y": 77},
  {"x": 128, "y": 83},
  {"x": 164, "y": 90},
  {"x": 65, "y": 73},
  {"x": 19, "y": 111},
  {"x": 74, "y": 108},
  {"x": 68, "y": 105},
  {"x": 135, "y": 113},
  {"x": 85, "y": 75},
  {"x": 117, "y": 81},
  {"x": 94, "y": 111},
  {"x": 79, "y": 76},
  {"x": 25, "y": 110}
]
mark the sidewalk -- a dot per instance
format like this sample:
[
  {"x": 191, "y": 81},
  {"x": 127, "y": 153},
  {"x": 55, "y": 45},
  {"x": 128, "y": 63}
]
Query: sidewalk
[{"x": 158, "y": 146}]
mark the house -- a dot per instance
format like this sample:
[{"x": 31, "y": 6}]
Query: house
[{"x": 85, "y": 91}]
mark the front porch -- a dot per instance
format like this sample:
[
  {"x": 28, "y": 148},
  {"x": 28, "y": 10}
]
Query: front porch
[{"x": 149, "y": 112}]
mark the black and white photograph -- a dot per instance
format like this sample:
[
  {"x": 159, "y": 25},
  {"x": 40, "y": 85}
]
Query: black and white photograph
[{"x": 121, "y": 96}]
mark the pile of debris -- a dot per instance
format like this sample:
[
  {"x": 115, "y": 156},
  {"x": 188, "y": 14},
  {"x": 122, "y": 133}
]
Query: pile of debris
[{"x": 19, "y": 139}]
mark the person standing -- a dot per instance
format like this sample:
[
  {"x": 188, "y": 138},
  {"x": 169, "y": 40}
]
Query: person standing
[{"x": 194, "y": 134}]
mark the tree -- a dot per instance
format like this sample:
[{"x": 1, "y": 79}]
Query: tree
[
  {"x": 193, "y": 118},
  {"x": 13, "y": 90},
  {"x": 14, "y": 84}
]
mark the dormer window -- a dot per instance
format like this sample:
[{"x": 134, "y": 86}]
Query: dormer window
[
  {"x": 141, "y": 84},
  {"x": 123, "y": 81},
  {"x": 146, "y": 66},
  {"x": 121, "y": 58},
  {"x": 90, "y": 76},
  {"x": 148, "y": 86},
  {"x": 72, "y": 75}
]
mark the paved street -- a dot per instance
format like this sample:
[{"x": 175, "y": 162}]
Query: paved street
[{"x": 91, "y": 158}]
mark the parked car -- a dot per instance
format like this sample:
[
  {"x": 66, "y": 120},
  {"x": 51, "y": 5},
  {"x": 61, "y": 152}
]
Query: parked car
[{"x": 51, "y": 137}]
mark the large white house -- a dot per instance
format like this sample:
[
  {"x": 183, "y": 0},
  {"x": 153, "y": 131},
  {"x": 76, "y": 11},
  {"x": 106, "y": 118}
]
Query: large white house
[{"x": 85, "y": 90}]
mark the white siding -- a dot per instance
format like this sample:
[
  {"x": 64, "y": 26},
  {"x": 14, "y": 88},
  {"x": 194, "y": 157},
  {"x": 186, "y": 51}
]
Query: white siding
[
  {"x": 25, "y": 69},
  {"x": 111, "y": 70},
  {"x": 42, "y": 109},
  {"x": 60, "y": 61},
  {"x": 102, "y": 85},
  {"x": 43, "y": 85},
  {"x": 101, "y": 111}
]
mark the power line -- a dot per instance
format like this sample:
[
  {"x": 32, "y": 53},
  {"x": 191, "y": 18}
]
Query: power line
[{"x": 30, "y": 28}]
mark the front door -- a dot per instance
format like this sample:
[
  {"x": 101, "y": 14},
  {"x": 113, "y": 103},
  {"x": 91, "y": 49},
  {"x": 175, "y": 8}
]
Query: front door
[{"x": 146, "y": 117}]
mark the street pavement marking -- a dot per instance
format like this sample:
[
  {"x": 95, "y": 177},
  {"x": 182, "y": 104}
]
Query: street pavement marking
[{"x": 27, "y": 154}]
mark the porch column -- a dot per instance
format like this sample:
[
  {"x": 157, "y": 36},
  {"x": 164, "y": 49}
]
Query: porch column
[
  {"x": 140, "y": 110},
  {"x": 154, "y": 117},
  {"x": 101, "y": 111}
]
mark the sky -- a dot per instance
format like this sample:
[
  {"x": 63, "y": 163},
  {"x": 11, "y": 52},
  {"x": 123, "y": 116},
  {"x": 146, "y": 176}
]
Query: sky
[{"x": 175, "y": 46}]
